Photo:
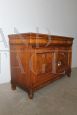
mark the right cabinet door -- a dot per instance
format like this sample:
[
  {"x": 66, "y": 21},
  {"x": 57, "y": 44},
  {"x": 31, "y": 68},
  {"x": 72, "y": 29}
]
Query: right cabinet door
[{"x": 61, "y": 61}]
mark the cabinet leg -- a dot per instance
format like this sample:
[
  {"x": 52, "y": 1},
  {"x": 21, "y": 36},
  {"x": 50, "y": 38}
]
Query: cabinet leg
[
  {"x": 13, "y": 86},
  {"x": 30, "y": 94},
  {"x": 69, "y": 73}
]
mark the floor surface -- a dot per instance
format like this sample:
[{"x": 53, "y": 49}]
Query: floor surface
[{"x": 58, "y": 98}]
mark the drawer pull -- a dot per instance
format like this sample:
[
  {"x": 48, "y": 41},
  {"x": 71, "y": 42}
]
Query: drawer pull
[{"x": 59, "y": 63}]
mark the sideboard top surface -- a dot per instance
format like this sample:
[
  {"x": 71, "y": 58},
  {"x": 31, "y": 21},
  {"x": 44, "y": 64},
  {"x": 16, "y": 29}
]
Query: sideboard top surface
[{"x": 41, "y": 39}]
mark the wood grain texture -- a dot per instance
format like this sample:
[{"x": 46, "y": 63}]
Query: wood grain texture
[{"x": 38, "y": 59}]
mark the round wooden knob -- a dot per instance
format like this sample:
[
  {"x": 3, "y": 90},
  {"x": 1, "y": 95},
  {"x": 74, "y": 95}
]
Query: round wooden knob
[{"x": 59, "y": 63}]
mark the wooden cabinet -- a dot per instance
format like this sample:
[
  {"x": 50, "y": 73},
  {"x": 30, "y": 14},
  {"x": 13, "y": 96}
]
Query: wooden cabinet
[{"x": 38, "y": 59}]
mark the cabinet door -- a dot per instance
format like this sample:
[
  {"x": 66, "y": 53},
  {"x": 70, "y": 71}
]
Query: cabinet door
[
  {"x": 41, "y": 67},
  {"x": 42, "y": 63},
  {"x": 61, "y": 62}
]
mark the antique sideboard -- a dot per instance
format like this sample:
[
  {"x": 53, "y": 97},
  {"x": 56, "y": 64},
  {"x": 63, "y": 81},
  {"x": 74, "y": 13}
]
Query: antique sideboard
[{"x": 38, "y": 59}]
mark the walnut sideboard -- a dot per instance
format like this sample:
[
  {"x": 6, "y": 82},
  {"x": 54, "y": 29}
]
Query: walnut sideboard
[{"x": 38, "y": 59}]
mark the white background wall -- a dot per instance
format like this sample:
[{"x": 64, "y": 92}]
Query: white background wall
[{"x": 57, "y": 16}]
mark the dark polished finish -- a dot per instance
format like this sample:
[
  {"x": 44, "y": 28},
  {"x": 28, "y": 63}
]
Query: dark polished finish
[{"x": 38, "y": 59}]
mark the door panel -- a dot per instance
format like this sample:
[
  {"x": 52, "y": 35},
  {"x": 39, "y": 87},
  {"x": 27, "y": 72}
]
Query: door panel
[
  {"x": 42, "y": 63},
  {"x": 61, "y": 62}
]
